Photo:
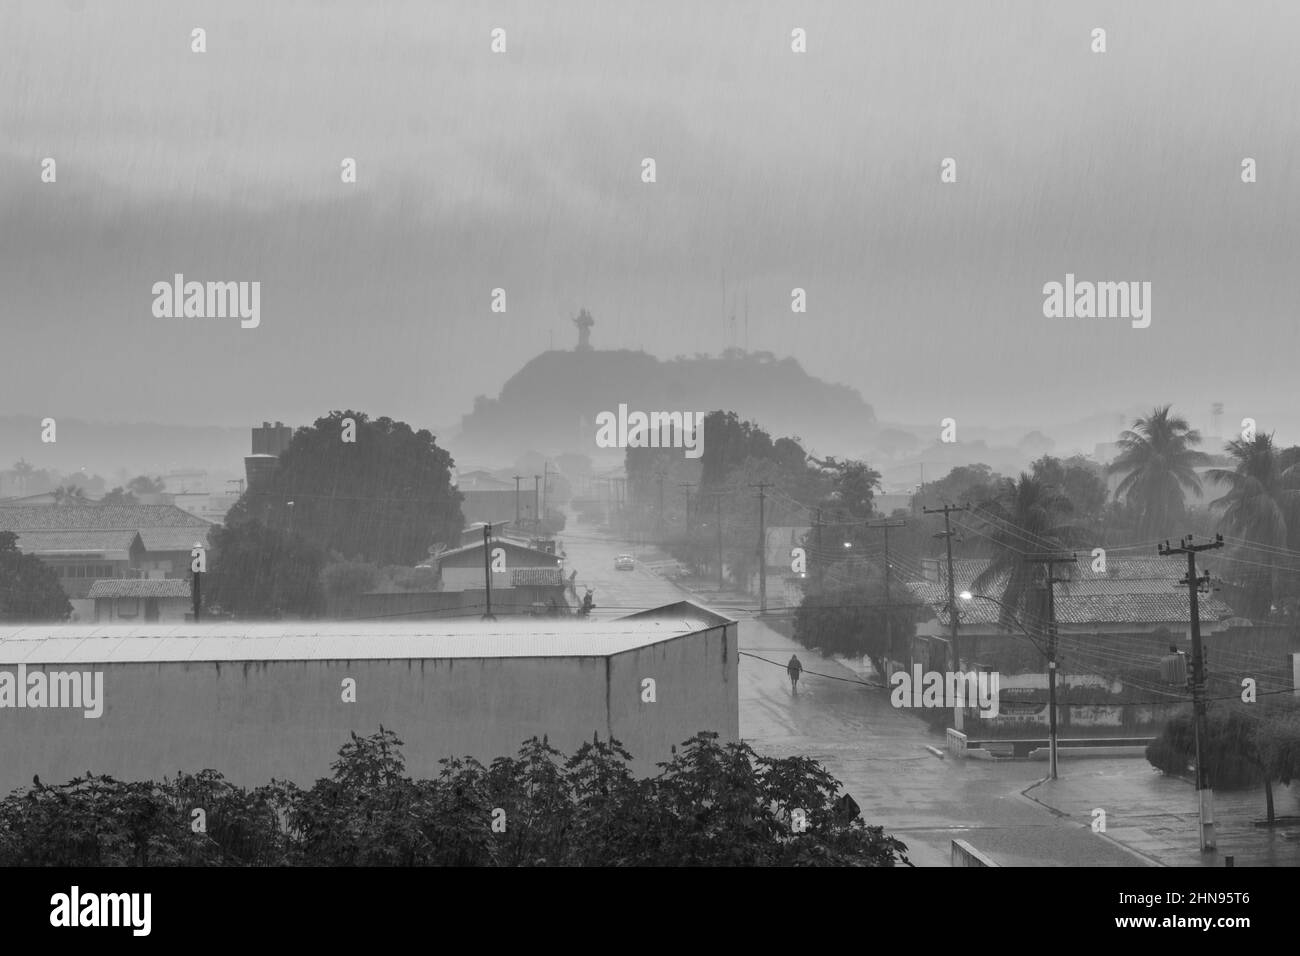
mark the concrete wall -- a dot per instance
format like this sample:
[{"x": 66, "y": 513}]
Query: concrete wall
[
  {"x": 285, "y": 719},
  {"x": 680, "y": 669}
]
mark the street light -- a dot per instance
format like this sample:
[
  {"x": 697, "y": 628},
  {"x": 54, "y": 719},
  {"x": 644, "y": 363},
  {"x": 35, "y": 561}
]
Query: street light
[{"x": 1051, "y": 675}]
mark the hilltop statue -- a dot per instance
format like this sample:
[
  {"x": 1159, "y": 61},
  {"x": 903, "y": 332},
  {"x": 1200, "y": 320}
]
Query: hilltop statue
[{"x": 584, "y": 322}]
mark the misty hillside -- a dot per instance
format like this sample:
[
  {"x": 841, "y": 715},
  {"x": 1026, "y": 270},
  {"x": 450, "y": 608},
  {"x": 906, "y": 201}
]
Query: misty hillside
[{"x": 552, "y": 402}]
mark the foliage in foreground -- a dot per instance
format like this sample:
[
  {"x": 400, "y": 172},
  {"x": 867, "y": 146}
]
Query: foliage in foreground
[
  {"x": 711, "y": 805},
  {"x": 1242, "y": 749}
]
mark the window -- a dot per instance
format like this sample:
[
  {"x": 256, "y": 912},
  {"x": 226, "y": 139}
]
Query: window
[{"x": 128, "y": 607}]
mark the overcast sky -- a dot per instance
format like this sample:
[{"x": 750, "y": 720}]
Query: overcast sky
[{"x": 522, "y": 171}]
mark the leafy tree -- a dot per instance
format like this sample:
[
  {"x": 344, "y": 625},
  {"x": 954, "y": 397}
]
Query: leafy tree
[
  {"x": 1242, "y": 749},
  {"x": 728, "y": 441},
  {"x": 384, "y": 498},
  {"x": 855, "y": 619},
  {"x": 1158, "y": 462},
  {"x": 710, "y": 805},
  {"x": 119, "y": 496},
  {"x": 1276, "y": 746},
  {"x": 29, "y": 588},
  {"x": 1262, "y": 506},
  {"x": 259, "y": 572},
  {"x": 963, "y": 485},
  {"x": 144, "y": 485}
]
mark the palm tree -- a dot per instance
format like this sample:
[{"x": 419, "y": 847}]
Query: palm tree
[
  {"x": 1260, "y": 507},
  {"x": 1028, "y": 516},
  {"x": 1158, "y": 463}
]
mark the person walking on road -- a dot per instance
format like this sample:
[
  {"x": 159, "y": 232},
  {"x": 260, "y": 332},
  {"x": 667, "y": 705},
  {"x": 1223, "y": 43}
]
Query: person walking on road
[{"x": 794, "y": 669}]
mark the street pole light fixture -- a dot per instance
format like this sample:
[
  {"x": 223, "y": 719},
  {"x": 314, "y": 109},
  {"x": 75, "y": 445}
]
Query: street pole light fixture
[{"x": 1051, "y": 716}]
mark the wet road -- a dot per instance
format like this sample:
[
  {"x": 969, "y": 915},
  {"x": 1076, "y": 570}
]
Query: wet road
[{"x": 880, "y": 753}]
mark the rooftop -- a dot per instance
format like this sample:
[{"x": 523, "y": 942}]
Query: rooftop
[
  {"x": 51, "y": 543},
  {"x": 57, "y": 644},
  {"x": 96, "y": 518},
  {"x": 139, "y": 588}
]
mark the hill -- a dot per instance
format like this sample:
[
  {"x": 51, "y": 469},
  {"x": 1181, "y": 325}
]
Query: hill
[{"x": 552, "y": 402}]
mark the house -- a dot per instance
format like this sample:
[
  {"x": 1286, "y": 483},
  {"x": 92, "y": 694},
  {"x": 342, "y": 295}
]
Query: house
[
  {"x": 1131, "y": 612},
  {"x": 85, "y": 543},
  {"x": 149, "y": 601},
  {"x": 80, "y": 558},
  {"x": 500, "y": 531},
  {"x": 462, "y": 568}
]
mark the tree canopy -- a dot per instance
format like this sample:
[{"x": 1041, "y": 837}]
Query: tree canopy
[
  {"x": 29, "y": 588},
  {"x": 384, "y": 498}
]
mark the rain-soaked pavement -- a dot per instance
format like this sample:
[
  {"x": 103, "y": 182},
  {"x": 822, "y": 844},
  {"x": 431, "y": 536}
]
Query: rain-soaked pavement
[{"x": 880, "y": 754}]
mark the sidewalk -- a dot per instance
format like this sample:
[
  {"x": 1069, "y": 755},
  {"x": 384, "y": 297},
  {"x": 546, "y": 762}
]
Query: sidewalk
[{"x": 1155, "y": 815}]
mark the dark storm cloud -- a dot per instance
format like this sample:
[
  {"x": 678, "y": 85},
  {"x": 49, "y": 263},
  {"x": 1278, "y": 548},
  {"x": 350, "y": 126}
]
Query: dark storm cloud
[{"x": 522, "y": 171}]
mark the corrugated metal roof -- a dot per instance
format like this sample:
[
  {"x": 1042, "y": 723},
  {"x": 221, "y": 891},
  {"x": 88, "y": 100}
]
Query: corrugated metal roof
[
  {"x": 537, "y": 577},
  {"x": 347, "y": 640},
  {"x": 139, "y": 588},
  {"x": 115, "y": 544}
]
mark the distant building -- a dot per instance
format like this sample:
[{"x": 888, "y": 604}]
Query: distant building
[
  {"x": 462, "y": 568},
  {"x": 269, "y": 443},
  {"x": 1135, "y": 604},
  {"x": 140, "y": 600},
  {"x": 86, "y": 543}
]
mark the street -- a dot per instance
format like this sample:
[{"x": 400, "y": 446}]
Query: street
[{"x": 879, "y": 754}]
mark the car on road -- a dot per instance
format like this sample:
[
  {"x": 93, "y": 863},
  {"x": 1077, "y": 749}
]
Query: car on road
[{"x": 624, "y": 562}]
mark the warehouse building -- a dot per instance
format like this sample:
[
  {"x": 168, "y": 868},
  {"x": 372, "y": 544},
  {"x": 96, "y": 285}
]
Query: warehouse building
[{"x": 257, "y": 701}]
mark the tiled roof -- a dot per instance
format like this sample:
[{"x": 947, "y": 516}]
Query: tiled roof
[
  {"x": 537, "y": 577},
  {"x": 1169, "y": 607},
  {"x": 110, "y": 543},
  {"x": 96, "y": 518},
  {"x": 139, "y": 588}
]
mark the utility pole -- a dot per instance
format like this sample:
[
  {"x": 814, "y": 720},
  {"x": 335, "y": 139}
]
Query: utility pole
[
  {"x": 954, "y": 650},
  {"x": 537, "y": 497},
  {"x": 1052, "y": 580},
  {"x": 487, "y": 568},
  {"x": 518, "y": 478},
  {"x": 546, "y": 480},
  {"x": 1204, "y": 795},
  {"x": 717, "y": 496},
  {"x": 688, "y": 485},
  {"x": 821, "y": 561},
  {"x": 889, "y": 616},
  {"x": 195, "y": 596},
  {"x": 762, "y": 487}
]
